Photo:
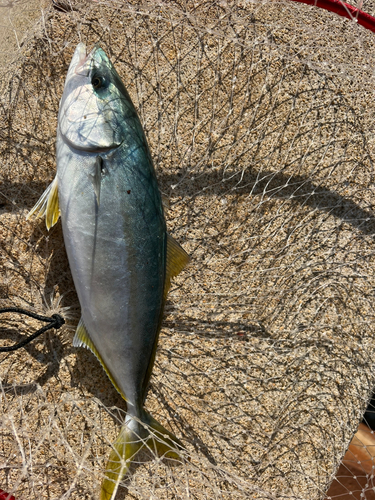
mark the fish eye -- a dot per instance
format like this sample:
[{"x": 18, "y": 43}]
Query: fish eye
[{"x": 97, "y": 82}]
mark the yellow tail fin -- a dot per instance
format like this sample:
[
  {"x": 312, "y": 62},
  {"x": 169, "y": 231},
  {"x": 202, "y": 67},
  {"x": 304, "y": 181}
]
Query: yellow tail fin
[{"x": 133, "y": 436}]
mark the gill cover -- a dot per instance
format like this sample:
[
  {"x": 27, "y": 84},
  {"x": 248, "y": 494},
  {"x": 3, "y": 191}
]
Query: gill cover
[{"x": 93, "y": 103}]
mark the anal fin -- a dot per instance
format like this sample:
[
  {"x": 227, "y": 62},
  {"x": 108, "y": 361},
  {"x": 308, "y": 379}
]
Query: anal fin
[{"x": 82, "y": 339}]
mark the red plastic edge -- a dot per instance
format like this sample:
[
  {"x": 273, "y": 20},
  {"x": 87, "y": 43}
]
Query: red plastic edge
[
  {"x": 345, "y": 10},
  {"x": 6, "y": 496}
]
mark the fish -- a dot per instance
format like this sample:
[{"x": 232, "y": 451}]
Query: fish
[{"x": 121, "y": 257}]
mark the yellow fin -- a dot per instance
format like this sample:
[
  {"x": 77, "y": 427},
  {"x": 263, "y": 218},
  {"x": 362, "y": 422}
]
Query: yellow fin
[
  {"x": 124, "y": 449},
  {"x": 133, "y": 436},
  {"x": 177, "y": 259},
  {"x": 82, "y": 339},
  {"x": 48, "y": 205},
  {"x": 164, "y": 443},
  {"x": 52, "y": 209}
]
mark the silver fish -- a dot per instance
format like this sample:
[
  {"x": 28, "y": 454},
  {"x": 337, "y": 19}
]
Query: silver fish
[{"x": 121, "y": 258}]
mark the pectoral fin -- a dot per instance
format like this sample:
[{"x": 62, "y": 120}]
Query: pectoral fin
[
  {"x": 48, "y": 205},
  {"x": 82, "y": 339},
  {"x": 177, "y": 259},
  {"x": 96, "y": 178}
]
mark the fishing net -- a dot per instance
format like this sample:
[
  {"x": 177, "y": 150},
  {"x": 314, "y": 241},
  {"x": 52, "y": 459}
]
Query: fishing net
[{"x": 260, "y": 120}]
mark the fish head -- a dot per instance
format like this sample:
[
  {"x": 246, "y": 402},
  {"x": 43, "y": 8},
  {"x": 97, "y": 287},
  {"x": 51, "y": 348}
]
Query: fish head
[{"x": 94, "y": 103}]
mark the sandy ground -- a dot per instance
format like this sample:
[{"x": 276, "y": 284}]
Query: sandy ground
[
  {"x": 261, "y": 129},
  {"x": 17, "y": 20}
]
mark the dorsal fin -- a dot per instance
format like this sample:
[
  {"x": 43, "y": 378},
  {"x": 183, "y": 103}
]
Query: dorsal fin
[
  {"x": 177, "y": 259},
  {"x": 82, "y": 339}
]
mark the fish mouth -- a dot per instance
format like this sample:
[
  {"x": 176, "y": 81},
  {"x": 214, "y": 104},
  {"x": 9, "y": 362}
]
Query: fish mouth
[{"x": 84, "y": 61}]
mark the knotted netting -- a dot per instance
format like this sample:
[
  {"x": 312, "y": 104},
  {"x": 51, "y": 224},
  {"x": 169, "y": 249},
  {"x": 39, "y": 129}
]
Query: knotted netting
[{"x": 260, "y": 120}]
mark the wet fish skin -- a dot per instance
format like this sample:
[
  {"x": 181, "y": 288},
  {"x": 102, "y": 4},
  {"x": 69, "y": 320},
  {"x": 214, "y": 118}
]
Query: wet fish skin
[
  {"x": 117, "y": 246},
  {"x": 120, "y": 255}
]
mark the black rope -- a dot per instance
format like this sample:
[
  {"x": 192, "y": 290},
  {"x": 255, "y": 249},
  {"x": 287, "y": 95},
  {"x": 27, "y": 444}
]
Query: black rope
[{"x": 55, "y": 321}]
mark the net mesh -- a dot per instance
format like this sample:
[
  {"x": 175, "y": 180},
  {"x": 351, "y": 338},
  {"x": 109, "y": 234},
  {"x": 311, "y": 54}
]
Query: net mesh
[{"x": 260, "y": 120}]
